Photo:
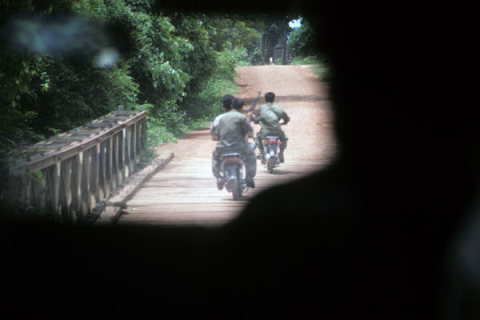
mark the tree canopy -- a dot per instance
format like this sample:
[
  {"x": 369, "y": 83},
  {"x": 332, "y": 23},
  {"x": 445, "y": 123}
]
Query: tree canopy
[{"x": 65, "y": 63}]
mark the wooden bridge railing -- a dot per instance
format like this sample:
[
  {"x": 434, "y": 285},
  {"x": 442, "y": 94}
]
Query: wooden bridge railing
[{"x": 72, "y": 172}]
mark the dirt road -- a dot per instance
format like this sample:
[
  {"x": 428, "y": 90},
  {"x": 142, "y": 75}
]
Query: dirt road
[{"x": 185, "y": 191}]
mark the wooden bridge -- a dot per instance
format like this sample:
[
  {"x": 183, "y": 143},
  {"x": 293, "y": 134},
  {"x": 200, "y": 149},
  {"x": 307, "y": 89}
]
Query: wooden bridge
[
  {"x": 92, "y": 172},
  {"x": 72, "y": 173},
  {"x": 185, "y": 193}
]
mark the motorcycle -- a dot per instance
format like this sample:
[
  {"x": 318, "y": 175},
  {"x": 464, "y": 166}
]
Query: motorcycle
[
  {"x": 233, "y": 174},
  {"x": 271, "y": 143}
]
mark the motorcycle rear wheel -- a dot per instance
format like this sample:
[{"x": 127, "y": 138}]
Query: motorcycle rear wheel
[
  {"x": 271, "y": 164},
  {"x": 236, "y": 189}
]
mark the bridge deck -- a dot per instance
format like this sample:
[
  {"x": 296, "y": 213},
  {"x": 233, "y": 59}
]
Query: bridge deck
[{"x": 185, "y": 193}]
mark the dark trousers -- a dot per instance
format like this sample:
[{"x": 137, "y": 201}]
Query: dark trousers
[
  {"x": 249, "y": 160},
  {"x": 262, "y": 134}
]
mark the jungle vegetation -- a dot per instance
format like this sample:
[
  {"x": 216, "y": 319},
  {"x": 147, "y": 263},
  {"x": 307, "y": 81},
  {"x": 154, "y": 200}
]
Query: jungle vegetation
[{"x": 64, "y": 63}]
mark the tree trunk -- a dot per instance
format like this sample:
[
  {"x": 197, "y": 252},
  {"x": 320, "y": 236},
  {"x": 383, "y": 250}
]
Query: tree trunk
[
  {"x": 269, "y": 52},
  {"x": 285, "y": 49},
  {"x": 262, "y": 47}
]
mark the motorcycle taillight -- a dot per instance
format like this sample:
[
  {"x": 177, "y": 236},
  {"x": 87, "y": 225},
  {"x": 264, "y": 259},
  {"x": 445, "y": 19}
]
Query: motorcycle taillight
[
  {"x": 232, "y": 159},
  {"x": 273, "y": 141}
]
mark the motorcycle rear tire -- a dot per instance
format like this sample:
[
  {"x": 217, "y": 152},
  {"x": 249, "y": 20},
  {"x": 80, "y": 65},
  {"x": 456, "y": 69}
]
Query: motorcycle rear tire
[
  {"x": 236, "y": 189},
  {"x": 271, "y": 164}
]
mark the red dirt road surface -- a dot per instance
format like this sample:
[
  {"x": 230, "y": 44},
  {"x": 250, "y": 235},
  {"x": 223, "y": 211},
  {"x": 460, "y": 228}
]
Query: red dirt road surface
[{"x": 185, "y": 192}]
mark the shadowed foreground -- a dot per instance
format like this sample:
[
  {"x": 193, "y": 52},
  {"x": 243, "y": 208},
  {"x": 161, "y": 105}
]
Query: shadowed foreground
[{"x": 379, "y": 234}]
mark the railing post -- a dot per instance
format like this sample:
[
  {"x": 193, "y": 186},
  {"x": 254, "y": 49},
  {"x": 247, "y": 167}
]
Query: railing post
[
  {"x": 88, "y": 171},
  {"x": 134, "y": 141},
  {"x": 78, "y": 186},
  {"x": 96, "y": 174},
  {"x": 118, "y": 171},
  {"x": 67, "y": 188},
  {"x": 144, "y": 133},
  {"x": 130, "y": 163},
  {"x": 111, "y": 179},
  {"x": 122, "y": 150},
  {"x": 105, "y": 183},
  {"x": 56, "y": 188}
]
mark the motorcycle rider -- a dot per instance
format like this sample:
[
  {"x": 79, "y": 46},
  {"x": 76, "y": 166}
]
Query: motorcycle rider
[
  {"x": 227, "y": 105},
  {"x": 269, "y": 116},
  {"x": 231, "y": 130}
]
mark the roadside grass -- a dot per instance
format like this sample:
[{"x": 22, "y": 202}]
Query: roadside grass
[
  {"x": 319, "y": 65},
  {"x": 306, "y": 60},
  {"x": 321, "y": 71}
]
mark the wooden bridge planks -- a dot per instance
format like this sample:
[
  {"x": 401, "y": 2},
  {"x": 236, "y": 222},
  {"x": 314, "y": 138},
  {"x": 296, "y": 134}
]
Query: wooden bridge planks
[{"x": 184, "y": 193}]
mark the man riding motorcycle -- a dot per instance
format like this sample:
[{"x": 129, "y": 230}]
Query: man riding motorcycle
[
  {"x": 227, "y": 105},
  {"x": 269, "y": 115},
  {"x": 230, "y": 131}
]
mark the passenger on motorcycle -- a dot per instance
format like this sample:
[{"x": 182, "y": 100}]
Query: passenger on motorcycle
[
  {"x": 269, "y": 116},
  {"x": 231, "y": 130},
  {"x": 227, "y": 105}
]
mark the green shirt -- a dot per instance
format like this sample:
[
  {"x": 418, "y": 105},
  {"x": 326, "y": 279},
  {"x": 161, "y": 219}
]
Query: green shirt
[
  {"x": 232, "y": 128},
  {"x": 271, "y": 115}
]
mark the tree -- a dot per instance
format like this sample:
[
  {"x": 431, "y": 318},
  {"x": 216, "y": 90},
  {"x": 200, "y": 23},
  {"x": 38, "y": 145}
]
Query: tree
[
  {"x": 45, "y": 86},
  {"x": 275, "y": 31},
  {"x": 164, "y": 59},
  {"x": 234, "y": 33},
  {"x": 302, "y": 41}
]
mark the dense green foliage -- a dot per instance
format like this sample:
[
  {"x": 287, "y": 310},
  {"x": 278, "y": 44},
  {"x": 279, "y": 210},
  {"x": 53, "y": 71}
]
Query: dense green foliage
[
  {"x": 303, "y": 44},
  {"x": 237, "y": 34},
  {"x": 302, "y": 41},
  {"x": 177, "y": 65},
  {"x": 306, "y": 60}
]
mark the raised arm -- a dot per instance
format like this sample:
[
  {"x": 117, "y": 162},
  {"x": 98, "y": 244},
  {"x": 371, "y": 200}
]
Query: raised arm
[{"x": 247, "y": 127}]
